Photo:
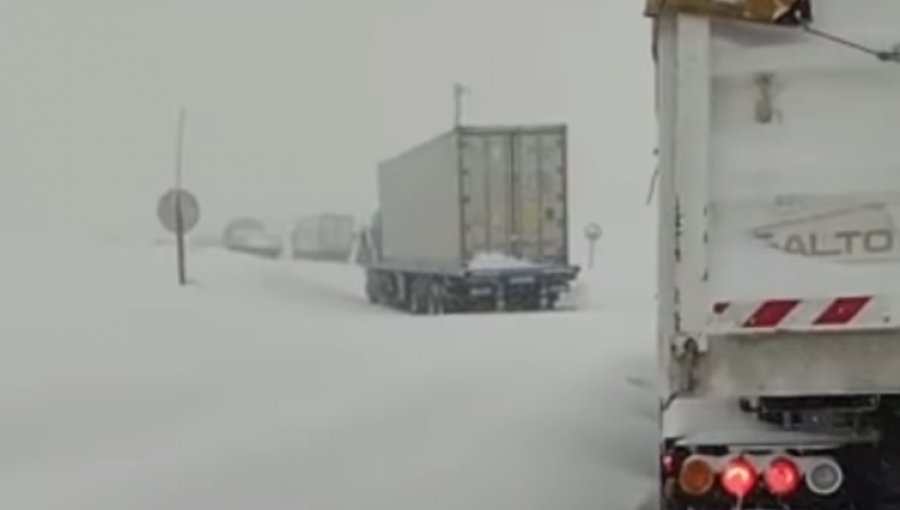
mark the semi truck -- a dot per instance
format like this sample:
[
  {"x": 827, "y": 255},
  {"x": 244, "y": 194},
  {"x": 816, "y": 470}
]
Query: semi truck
[
  {"x": 324, "y": 236},
  {"x": 475, "y": 219},
  {"x": 779, "y": 265}
]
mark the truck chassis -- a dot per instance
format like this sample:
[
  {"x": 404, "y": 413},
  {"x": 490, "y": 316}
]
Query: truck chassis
[{"x": 437, "y": 293}]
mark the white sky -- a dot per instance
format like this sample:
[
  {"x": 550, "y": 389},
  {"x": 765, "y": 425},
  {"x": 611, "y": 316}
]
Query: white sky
[{"x": 292, "y": 103}]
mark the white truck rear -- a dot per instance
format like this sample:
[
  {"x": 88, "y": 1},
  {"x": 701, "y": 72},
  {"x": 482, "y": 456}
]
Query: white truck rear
[{"x": 779, "y": 257}]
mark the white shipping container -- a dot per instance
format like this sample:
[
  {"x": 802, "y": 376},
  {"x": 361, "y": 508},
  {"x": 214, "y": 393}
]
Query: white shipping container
[
  {"x": 324, "y": 236},
  {"x": 476, "y": 191},
  {"x": 779, "y": 204}
]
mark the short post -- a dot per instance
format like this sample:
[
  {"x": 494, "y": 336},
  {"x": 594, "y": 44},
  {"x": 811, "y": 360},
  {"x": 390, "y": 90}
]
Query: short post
[
  {"x": 592, "y": 232},
  {"x": 459, "y": 90}
]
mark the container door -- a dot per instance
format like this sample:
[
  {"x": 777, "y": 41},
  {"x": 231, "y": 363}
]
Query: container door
[
  {"x": 538, "y": 207},
  {"x": 486, "y": 172}
]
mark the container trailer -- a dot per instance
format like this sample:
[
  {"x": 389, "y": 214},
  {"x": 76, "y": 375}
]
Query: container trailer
[
  {"x": 324, "y": 237},
  {"x": 474, "y": 219}
]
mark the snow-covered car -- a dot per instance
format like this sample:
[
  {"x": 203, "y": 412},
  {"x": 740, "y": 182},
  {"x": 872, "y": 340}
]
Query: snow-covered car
[{"x": 251, "y": 236}]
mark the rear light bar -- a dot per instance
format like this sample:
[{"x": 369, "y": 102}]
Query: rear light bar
[{"x": 740, "y": 475}]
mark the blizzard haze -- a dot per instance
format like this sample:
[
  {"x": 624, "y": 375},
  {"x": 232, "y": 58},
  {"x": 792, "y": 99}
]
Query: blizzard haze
[
  {"x": 274, "y": 384},
  {"x": 291, "y": 104}
]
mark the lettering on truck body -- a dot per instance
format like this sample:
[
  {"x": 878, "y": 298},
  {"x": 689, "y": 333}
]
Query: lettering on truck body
[{"x": 863, "y": 234}]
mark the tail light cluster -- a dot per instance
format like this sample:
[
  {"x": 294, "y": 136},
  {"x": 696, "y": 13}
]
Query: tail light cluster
[{"x": 740, "y": 476}]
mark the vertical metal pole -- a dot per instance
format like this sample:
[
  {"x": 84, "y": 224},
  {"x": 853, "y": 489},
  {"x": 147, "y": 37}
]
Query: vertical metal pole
[
  {"x": 592, "y": 246},
  {"x": 179, "y": 217},
  {"x": 458, "y": 91}
]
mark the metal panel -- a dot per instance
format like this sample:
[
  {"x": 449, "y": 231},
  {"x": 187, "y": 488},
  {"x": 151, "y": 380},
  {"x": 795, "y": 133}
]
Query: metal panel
[
  {"x": 666, "y": 320},
  {"x": 420, "y": 210},
  {"x": 539, "y": 190},
  {"x": 514, "y": 191},
  {"x": 487, "y": 173},
  {"x": 774, "y": 191},
  {"x": 780, "y": 12}
]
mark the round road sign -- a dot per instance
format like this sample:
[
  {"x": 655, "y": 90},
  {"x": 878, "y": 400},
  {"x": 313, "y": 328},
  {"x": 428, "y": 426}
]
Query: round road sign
[
  {"x": 166, "y": 210},
  {"x": 593, "y": 231}
]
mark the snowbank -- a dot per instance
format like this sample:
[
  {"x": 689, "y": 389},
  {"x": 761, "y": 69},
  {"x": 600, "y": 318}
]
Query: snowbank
[{"x": 496, "y": 260}]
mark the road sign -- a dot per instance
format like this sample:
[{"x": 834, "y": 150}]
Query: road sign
[
  {"x": 167, "y": 207},
  {"x": 593, "y": 231}
]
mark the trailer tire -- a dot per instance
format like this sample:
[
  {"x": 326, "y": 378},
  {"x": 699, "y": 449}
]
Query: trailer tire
[
  {"x": 372, "y": 288},
  {"x": 437, "y": 300},
  {"x": 419, "y": 302},
  {"x": 551, "y": 301}
]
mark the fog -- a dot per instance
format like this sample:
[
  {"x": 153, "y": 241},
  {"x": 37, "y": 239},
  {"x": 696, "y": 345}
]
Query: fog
[{"x": 291, "y": 104}]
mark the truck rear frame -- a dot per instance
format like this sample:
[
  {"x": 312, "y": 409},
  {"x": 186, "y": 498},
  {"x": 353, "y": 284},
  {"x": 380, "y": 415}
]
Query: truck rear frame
[{"x": 778, "y": 253}]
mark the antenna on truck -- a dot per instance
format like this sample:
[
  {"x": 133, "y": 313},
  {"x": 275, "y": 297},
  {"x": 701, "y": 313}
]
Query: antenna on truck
[
  {"x": 459, "y": 90},
  {"x": 891, "y": 55}
]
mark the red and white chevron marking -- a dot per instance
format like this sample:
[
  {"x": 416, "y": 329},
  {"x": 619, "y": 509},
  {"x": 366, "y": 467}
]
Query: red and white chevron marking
[{"x": 848, "y": 312}]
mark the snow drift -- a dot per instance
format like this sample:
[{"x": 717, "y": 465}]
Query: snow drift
[{"x": 271, "y": 385}]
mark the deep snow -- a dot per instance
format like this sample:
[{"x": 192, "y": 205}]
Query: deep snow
[{"x": 274, "y": 385}]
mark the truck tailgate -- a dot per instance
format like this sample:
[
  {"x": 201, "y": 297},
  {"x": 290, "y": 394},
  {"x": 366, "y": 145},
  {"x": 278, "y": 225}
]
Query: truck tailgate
[{"x": 781, "y": 176}]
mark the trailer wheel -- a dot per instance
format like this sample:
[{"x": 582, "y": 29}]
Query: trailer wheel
[
  {"x": 551, "y": 301},
  {"x": 373, "y": 284},
  {"x": 419, "y": 302},
  {"x": 436, "y": 299}
]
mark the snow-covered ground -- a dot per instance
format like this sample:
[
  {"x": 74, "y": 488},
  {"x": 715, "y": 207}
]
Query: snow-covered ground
[{"x": 275, "y": 385}]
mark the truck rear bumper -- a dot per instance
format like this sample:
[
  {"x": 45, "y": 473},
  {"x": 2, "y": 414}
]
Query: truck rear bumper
[{"x": 546, "y": 281}]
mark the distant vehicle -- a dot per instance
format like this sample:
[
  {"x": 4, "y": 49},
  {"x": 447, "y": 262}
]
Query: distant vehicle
[
  {"x": 475, "y": 219},
  {"x": 324, "y": 237},
  {"x": 778, "y": 264},
  {"x": 249, "y": 235}
]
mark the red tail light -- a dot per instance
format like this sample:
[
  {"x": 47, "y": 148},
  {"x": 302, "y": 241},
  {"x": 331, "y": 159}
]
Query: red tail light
[
  {"x": 739, "y": 478},
  {"x": 782, "y": 477}
]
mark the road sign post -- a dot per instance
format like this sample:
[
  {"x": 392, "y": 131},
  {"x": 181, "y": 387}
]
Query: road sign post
[
  {"x": 179, "y": 212},
  {"x": 593, "y": 232},
  {"x": 179, "y": 235}
]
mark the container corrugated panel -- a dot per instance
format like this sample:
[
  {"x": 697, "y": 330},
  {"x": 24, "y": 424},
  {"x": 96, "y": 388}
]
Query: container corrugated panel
[{"x": 514, "y": 192}]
